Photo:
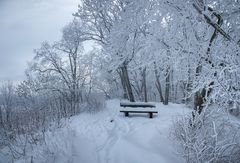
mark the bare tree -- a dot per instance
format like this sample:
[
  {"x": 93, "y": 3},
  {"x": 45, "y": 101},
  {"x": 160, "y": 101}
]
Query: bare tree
[
  {"x": 61, "y": 63},
  {"x": 7, "y": 94}
]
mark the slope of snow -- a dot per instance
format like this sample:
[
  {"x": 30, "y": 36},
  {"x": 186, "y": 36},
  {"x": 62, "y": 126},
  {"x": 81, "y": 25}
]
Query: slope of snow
[
  {"x": 109, "y": 137},
  {"x": 148, "y": 139},
  {"x": 126, "y": 139}
]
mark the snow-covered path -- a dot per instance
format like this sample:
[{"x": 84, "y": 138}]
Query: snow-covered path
[
  {"x": 109, "y": 137},
  {"x": 144, "y": 145},
  {"x": 148, "y": 139}
]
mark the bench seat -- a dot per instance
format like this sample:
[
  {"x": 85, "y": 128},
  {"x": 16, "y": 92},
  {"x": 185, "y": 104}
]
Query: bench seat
[{"x": 150, "y": 112}]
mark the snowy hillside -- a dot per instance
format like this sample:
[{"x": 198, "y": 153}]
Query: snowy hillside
[
  {"x": 109, "y": 137},
  {"x": 171, "y": 54}
]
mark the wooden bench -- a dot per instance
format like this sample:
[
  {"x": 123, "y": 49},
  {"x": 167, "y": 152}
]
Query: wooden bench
[{"x": 138, "y": 105}]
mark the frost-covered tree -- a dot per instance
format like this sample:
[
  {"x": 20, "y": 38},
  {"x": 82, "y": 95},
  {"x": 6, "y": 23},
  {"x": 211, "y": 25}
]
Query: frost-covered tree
[
  {"x": 179, "y": 43},
  {"x": 59, "y": 68}
]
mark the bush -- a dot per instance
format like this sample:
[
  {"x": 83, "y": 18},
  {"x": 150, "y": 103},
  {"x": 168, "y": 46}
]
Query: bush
[{"x": 209, "y": 137}]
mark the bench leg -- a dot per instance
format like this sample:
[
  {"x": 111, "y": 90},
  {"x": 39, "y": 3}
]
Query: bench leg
[
  {"x": 150, "y": 115},
  {"x": 126, "y": 114}
]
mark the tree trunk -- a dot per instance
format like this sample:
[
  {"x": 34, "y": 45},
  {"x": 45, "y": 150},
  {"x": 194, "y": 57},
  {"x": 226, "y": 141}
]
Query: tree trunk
[
  {"x": 145, "y": 85},
  {"x": 127, "y": 82},
  {"x": 158, "y": 84},
  {"x": 172, "y": 88},
  {"x": 167, "y": 88},
  {"x": 198, "y": 99},
  {"x": 1, "y": 117},
  {"x": 200, "y": 96},
  {"x": 188, "y": 87},
  {"x": 125, "y": 96}
]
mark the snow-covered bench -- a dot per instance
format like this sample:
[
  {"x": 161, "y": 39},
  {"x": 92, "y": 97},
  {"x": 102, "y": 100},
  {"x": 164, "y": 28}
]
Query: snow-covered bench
[{"x": 138, "y": 107}]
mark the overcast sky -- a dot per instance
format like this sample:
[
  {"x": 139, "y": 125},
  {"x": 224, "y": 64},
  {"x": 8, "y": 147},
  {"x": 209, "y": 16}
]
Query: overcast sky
[{"x": 24, "y": 24}]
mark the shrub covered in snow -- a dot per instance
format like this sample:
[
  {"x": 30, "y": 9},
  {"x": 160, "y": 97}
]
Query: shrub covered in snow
[{"x": 210, "y": 137}]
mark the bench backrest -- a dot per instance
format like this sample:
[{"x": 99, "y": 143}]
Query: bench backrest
[{"x": 137, "y": 104}]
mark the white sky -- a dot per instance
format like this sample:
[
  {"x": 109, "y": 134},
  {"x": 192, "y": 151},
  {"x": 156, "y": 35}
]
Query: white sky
[{"x": 24, "y": 24}]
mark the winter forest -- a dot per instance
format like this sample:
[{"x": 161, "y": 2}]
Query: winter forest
[{"x": 183, "y": 56}]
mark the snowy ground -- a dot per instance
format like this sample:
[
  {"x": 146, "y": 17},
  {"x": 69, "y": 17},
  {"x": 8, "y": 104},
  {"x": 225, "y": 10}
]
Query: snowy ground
[
  {"x": 93, "y": 138},
  {"x": 127, "y": 139}
]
